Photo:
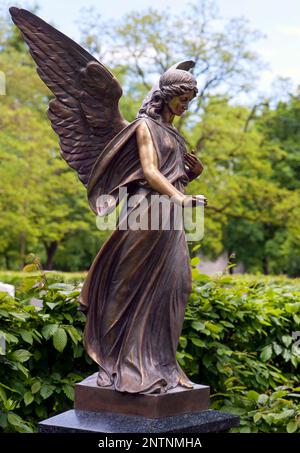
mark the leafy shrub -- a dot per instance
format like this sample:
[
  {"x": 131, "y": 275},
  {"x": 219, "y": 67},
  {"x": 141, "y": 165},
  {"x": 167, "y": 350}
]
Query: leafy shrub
[
  {"x": 277, "y": 411},
  {"x": 44, "y": 356},
  {"x": 237, "y": 338}
]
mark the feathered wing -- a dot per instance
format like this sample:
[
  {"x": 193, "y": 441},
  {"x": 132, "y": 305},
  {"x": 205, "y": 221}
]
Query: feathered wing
[{"x": 85, "y": 112}]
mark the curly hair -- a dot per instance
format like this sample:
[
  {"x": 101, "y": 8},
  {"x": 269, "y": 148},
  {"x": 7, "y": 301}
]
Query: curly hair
[{"x": 173, "y": 82}]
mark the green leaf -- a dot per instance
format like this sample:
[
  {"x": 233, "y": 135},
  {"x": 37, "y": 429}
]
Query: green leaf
[
  {"x": 257, "y": 417},
  {"x": 195, "y": 261},
  {"x": 287, "y": 355},
  {"x": 13, "y": 419},
  {"x": 195, "y": 273},
  {"x": 47, "y": 391},
  {"x": 63, "y": 286},
  {"x": 28, "y": 398},
  {"x": 18, "y": 424},
  {"x": 23, "y": 369},
  {"x": 52, "y": 305},
  {"x": 245, "y": 429},
  {"x": 182, "y": 341},
  {"x": 27, "y": 336},
  {"x": 268, "y": 418},
  {"x": 291, "y": 308},
  {"x": 68, "y": 391},
  {"x": 263, "y": 399},
  {"x": 234, "y": 410},
  {"x": 266, "y": 353},
  {"x": 287, "y": 340},
  {"x": 8, "y": 388},
  {"x": 292, "y": 426},
  {"x": 36, "y": 387},
  {"x": 296, "y": 318},
  {"x": 295, "y": 360},
  {"x": 284, "y": 415},
  {"x": 69, "y": 317},
  {"x": 3, "y": 420},
  {"x": 49, "y": 330},
  {"x": 21, "y": 355},
  {"x": 197, "y": 325},
  {"x": 196, "y": 247},
  {"x": 277, "y": 348},
  {"x": 30, "y": 268},
  {"x": 252, "y": 395},
  {"x": 60, "y": 339},
  {"x": 9, "y": 338},
  {"x": 198, "y": 342},
  {"x": 74, "y": 334},
  {"x": 19, "y": 316},
  {"x": 3, "y": 396},
  {"x": 214, "y": 328},
  {"x": 227, "y": 324}
]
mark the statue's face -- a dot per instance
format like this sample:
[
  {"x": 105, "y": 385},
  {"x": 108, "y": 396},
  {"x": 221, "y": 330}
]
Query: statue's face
[{"x": 179, "y": 104}]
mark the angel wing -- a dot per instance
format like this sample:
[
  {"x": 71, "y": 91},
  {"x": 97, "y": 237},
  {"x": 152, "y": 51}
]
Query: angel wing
[{"x": 85, "y": 112}]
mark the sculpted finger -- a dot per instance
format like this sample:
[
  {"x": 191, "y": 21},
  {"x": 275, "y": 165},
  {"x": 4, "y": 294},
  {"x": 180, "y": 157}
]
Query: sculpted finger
[{"x": 190, "y": 158}]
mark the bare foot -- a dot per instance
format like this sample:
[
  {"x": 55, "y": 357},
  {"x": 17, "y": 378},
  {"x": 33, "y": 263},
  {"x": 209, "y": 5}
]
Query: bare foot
[{"x": 185, "y": 383}]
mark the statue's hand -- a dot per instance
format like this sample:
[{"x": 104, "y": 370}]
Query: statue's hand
[
  {"x": 194, "y": 165},
  {"x": 192, "y": 201}
]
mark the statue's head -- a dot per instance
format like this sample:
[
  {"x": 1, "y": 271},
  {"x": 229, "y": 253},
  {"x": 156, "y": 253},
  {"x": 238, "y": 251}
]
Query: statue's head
[{"x": 176, "y": 88}]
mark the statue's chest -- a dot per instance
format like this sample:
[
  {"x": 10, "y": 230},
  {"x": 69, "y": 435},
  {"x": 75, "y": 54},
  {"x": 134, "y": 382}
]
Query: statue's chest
[{"x": 171, "y": 147}]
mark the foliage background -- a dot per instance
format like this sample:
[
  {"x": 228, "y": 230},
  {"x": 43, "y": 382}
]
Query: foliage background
[
  {"x": 237, "y": 335},
  {"x": 237, "y": 338},
  {"x": 250, "y": 150}
]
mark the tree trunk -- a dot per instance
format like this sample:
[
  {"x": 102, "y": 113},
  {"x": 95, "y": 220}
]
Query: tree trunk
[
  {"x": 22, "y": 248},
  {"x": 6, "y": 259},
  {"x": 50, "y": 250},
  {"x": 231, "y": 260},
  {"x": 266, "y": 265}
]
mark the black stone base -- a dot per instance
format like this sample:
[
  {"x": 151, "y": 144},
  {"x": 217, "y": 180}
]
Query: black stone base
[{"x": 77, "y": 421}]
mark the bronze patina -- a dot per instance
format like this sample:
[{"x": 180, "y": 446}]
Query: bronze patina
[{"x": 137, "y": 287}]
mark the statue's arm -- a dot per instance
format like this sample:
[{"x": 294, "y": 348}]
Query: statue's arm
[{"x": 149, "y": 162}]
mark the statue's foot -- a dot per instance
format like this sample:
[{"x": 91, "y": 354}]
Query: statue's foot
[{"x": 184, "y": 383}]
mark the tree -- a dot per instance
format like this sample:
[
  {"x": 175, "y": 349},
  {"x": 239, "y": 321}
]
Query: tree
[
  {"x": 42, "y": 202},
  {"x": 250, "y": 153}
]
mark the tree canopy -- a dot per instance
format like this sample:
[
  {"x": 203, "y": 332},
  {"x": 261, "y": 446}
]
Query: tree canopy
[{"x": 250, "y": 152}]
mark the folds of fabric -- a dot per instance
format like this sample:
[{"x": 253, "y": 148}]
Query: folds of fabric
[{"x": 138, "y": 285}]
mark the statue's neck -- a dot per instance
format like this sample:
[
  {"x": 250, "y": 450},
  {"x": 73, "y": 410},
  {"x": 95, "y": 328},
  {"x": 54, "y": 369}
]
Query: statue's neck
[{"x": 167, "y": 114}]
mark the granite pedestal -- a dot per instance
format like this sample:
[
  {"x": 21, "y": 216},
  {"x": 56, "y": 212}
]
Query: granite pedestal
[{"x": 77, "y": 421}]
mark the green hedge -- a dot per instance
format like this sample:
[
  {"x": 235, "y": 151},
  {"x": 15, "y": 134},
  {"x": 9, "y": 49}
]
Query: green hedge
[
  {"x": 237, "y": 338},
  {"x": 17, "y": 278},
  {"x": 44, "y": 354}
]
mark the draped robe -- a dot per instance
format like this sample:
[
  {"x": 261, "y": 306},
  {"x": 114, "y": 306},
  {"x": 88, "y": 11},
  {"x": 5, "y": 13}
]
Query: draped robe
[{"x": 138, "y": 285}]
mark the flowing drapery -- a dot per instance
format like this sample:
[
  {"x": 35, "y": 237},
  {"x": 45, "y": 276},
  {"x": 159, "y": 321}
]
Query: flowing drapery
[{"x": 137, "y": 287}]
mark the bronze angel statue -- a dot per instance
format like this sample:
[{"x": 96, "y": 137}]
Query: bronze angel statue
[{"x": 137, "y": 288}]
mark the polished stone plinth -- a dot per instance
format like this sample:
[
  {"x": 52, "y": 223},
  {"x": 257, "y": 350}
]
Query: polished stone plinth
[
  {"x": 90, "y": 397},
  {"x": 77, "y": 421}
]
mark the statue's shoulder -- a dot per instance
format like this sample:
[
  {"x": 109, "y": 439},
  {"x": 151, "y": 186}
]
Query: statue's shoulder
[
  {"x": 161, "y": 130},
  {"x": 154, "y": 125},
  {"x": 150, "y": 123},
  {"x": 144, "y": 119}
]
